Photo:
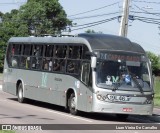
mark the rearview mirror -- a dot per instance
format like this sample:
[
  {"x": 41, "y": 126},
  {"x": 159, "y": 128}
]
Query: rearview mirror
[{"x": 93, "y": 62}]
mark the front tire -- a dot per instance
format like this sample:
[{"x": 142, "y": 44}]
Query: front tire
[
  {"x": 72, "y": 104},
  {"x": 21, "y": 98}
]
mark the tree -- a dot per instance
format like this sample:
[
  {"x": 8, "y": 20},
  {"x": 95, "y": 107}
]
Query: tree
[
  {"x": 90, "y": 31},
  {"x": 43, "y": 17},
  {"x": 155, "y": 60}
]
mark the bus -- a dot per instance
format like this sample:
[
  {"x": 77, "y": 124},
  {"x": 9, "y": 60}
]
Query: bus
[{"x": 98, "y": 73}]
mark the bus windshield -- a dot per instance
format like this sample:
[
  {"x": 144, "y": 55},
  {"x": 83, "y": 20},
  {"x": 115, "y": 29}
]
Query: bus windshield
[{"x": 123, "y": 75}]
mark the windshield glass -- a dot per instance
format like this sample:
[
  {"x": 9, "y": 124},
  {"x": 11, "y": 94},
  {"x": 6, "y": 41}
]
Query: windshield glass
[{"x": 126, "y": 74}]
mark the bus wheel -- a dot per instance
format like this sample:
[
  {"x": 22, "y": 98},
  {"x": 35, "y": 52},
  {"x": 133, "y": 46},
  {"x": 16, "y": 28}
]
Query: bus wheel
[
  {"x": 21, "y": 99},
  {"x": 122, "y": 116},
  {"x": 72, "y": 104}
]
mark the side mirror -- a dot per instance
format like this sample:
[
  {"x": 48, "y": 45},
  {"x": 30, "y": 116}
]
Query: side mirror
[{"x": 93, "y": 62}]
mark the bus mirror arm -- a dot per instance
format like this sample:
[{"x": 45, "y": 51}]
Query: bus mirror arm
[{"x": 90, "y": 54}]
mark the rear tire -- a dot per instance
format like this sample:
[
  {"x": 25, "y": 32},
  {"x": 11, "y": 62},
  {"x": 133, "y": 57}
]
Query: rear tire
[
  {"x": 72, "y": 104},
  {"x": 21, "y": 98}
]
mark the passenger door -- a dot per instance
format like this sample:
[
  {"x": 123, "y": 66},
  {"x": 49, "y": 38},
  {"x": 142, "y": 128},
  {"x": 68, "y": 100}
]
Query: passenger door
[{"x": 85, "y": 90}]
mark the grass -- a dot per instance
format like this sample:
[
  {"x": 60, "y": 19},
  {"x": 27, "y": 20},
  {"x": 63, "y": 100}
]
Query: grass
[
  {"x": 6, "y": 131},
  {"x": 157, "y": 92},
  {"x": 1, "y": 76}
]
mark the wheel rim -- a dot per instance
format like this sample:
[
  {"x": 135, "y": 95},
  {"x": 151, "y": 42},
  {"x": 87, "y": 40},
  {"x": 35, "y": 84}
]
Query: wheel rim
[
  {"x": 73, "y": 103},
  {"x": 20, "y": 93}
]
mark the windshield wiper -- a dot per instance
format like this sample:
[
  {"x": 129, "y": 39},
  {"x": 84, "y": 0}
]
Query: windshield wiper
[
  {"x": 135, "y": 80},
  {"x": 137, "y": 83}
]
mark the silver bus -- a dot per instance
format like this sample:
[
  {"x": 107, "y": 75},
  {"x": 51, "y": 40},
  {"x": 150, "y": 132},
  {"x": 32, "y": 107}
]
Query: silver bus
[{"x": 90, "y": 73}]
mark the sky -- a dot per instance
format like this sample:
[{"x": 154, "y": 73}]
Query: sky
[{"x": 145, "y": 34}]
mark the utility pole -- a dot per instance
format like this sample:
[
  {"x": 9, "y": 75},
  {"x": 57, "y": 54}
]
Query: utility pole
[{"x": 124, "y": 20}]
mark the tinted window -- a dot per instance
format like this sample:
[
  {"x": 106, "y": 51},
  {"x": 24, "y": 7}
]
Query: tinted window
[
  {"x": 38, "y": 50},
  {"x": 49, "y": 50},
  {"x": 27, "y": 49},
  {"x": 59, "y": 65},
  {"x": 16, "y": 49},
  {"x": 85, "y": 49},
  {"x": 73, "y": 66},
  {"x": 75, "y": 52},
  {"x": 61, "y": 51}
]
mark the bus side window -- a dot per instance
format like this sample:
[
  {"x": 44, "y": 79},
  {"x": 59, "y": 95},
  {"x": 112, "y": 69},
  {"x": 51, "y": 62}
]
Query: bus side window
[
  {"x": 37, "y": 57},
  {"x": 49, "y": 50},
  {"x": 61, "y": 51},
  {"x": 17, "y": 48},
  {"x": 26, "y": 55},
  {"x": 75, "y": 52},
  {"x": 85, "y": 49},
  {"x": 59, "y": 65},
  {"x": 47, "y": 64},
  {"x": 47, "y": 59},
  {"x": 73, "y": 66},
  {"x": 85, "y": 73},
  {"x": 59, "y": 60},
  {"x": 15, "y": 55},
  {"x": 9, "y": 54}
]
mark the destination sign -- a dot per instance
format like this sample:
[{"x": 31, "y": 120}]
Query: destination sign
[{"x": 110, "y": 56}]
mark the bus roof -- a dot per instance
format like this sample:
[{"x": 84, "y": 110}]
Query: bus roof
[
  {"x": 111, "y": 43},
  {"x": 94, "y": 42}
]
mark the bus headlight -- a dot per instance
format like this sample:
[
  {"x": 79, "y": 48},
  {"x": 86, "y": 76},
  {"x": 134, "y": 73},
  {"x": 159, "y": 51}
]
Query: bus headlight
[{"x": 99, "y": 96}]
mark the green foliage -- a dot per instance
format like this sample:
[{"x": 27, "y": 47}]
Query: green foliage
[
  {"x": 90, "y": 31},
  {"x": 5, "y": 131},
  {"x": 157, "y": 91},
  {"x": 42, "y": 17},
  {"x": 155, "y": 60},
  {"x": 45, "y": 17}
]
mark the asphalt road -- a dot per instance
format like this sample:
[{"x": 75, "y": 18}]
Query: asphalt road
[{"x": 33, "y": 112}]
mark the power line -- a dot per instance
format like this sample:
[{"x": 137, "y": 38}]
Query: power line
[
  {"x": 144, "y": 10},
  {"x": 98, "y": 15},
  {"x": 147, "y": 20},
  {"x": 93, "y": 9},
  {"x": 146, "y": 2},
  {"x": 91, "y": 23},
  {"x": 96, "y": 23},
  {"x": 155, "y": 13}
]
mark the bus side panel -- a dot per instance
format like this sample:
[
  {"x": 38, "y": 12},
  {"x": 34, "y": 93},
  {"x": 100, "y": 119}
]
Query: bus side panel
[
  {"x": 51, "y": 88},
  {"x": 9, "y": 77},
  {"x": 38, "y": 86},
  {"x": 11, "y": 87},
  {"x": 5, "y": 80}
]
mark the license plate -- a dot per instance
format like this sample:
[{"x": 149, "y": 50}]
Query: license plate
[{"x": 118, "y": 98}]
